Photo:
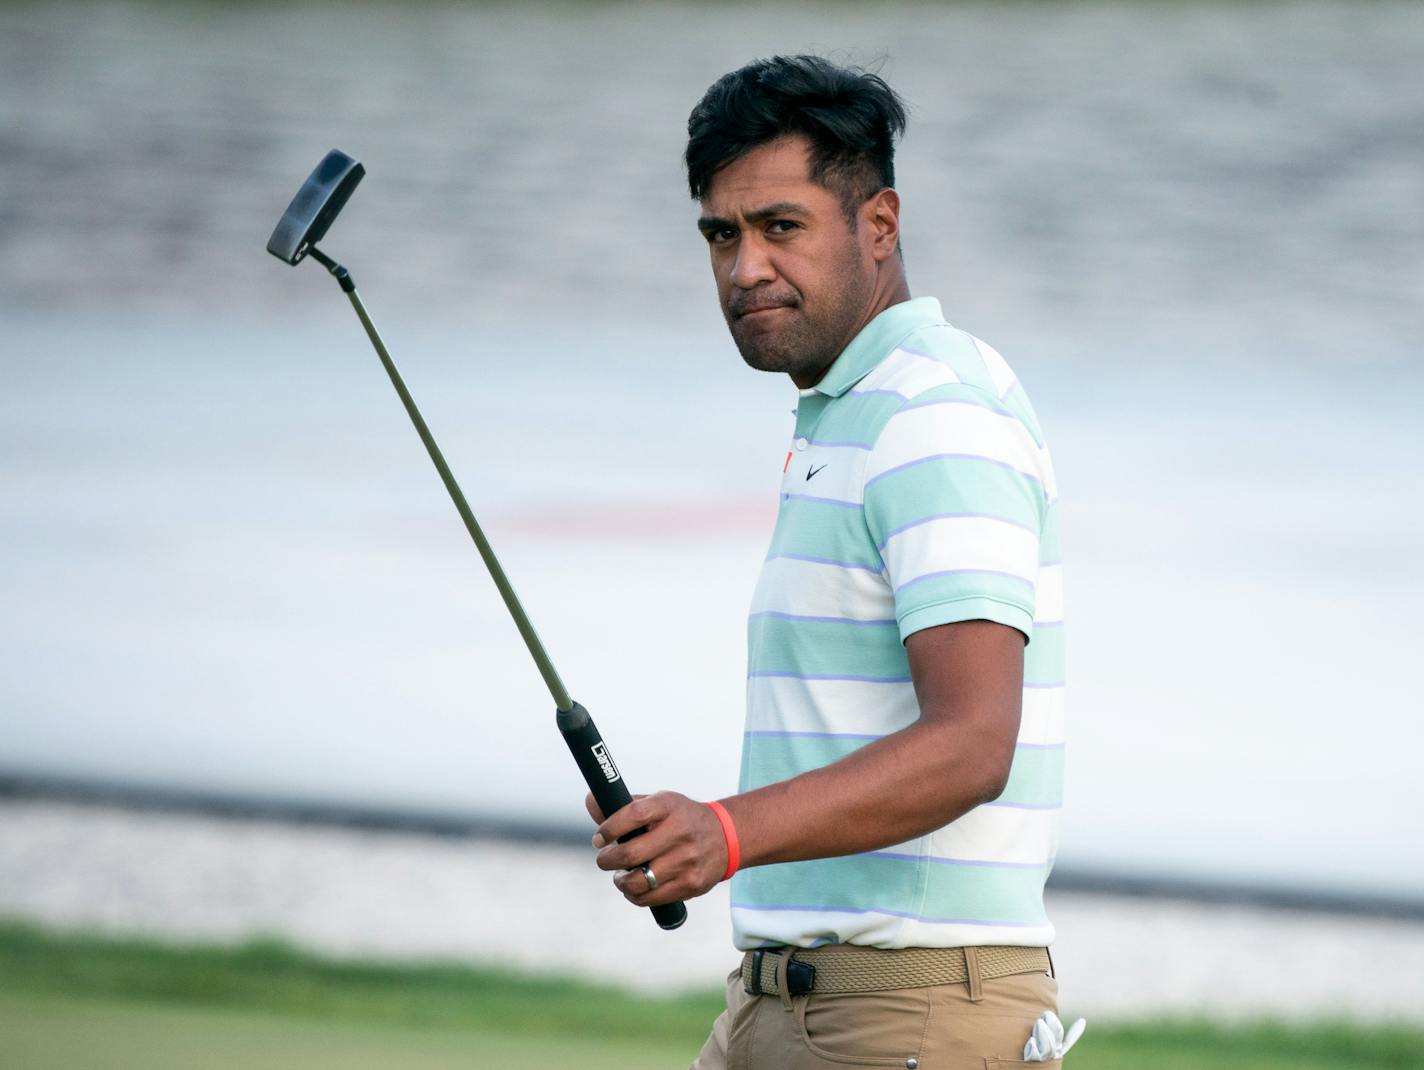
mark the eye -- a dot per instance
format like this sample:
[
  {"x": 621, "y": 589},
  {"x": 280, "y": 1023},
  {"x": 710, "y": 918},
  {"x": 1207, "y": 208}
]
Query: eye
[
  {"x": 719, "y": 235},
  {"x": 782, "y": 226}
]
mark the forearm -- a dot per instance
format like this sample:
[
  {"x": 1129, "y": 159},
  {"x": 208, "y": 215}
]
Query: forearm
[
  {"x": 889, "y": 791},
  {"x": 969, "y": 686}
]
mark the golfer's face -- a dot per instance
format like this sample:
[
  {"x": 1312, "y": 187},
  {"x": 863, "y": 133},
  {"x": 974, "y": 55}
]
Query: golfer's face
[{"x": 790, "y": 273}]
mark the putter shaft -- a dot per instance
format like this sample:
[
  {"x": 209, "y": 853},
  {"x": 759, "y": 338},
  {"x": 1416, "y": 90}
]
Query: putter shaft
[{"x": 560, "y": 694}]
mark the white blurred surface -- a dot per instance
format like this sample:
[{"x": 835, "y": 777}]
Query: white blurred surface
[
  {"x": 225, "y": 563},
  {"x": 418, "y": 897},
  {"x": 245, "y": 576}
]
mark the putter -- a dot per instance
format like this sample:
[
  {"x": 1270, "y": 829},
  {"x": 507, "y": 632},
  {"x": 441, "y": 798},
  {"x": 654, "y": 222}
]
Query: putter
[{"x": 305, "y": 223}]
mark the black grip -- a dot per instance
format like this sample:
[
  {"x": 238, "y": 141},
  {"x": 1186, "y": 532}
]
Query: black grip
[{"x": 606, "y": 782}]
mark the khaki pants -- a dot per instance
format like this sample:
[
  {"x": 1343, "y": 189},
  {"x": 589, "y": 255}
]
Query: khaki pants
[{"x": 981, "y": 1025}]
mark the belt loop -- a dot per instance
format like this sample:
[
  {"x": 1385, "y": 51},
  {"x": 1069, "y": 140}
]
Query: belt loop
[
  {"x": 976, "y": 982},
  {"x": 1051, "y": 971}
]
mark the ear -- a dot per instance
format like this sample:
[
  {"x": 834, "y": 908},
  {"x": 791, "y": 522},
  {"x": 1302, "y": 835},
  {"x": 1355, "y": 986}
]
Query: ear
[{"x": 880, "y": 216}]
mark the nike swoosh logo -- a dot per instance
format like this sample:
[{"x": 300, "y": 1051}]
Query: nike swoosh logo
[{"x": 811, "y": 472}]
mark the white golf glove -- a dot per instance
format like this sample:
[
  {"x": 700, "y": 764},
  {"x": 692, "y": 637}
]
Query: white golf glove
[{"x": 1047, "y": 1040}]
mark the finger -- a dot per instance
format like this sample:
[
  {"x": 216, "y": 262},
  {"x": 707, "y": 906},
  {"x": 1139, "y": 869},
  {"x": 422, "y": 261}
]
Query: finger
[
  {"x": 634, "y": 882},
  {"x": 643, "y": 810},
  {"x": 596, "y": 812},
  {"x": 637, "y": 851},
  {"x": 637, "y": 889},
  {"x": 677, "y": 882}
]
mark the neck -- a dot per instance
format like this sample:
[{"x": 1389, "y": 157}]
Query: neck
[{"x": 891, "y": 288}]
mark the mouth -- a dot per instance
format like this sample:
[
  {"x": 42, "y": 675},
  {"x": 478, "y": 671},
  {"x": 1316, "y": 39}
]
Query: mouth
[{"x": 761, "y": 310}]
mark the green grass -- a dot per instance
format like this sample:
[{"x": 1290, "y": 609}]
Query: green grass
[{"x": 101, "y": 1003}]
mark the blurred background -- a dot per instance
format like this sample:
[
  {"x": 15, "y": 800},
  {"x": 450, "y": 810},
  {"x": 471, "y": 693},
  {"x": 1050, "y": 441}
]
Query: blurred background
[{"x": 255, "y": 681}]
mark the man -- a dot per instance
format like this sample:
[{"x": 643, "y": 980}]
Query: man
[{"x": 902, "y": 761}]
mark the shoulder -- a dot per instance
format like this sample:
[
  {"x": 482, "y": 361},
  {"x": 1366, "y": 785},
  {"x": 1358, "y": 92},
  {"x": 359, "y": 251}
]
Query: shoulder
[{"x": 955, "y": 399}]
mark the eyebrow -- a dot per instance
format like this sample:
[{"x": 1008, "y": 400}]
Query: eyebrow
[{"x": 757, "y": 215}]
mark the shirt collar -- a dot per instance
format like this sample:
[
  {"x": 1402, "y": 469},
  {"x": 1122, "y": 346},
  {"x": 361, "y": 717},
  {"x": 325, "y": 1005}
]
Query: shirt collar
[{"x": 875, "y": 342}]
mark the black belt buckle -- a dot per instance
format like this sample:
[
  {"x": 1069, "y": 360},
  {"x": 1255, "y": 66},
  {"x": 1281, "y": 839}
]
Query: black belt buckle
[{"x": 800, "y": 976}]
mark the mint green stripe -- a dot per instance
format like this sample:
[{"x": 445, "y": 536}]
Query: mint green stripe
[
  {"x": 937, "y": 613},
  {"x": 855, "y": 418},
  {"x": 769, "y": 759},
  {"x": 1008, "y": 895},
  {"x": 950, "y": 486},
  {"x": 819, "y": 648},
  {"x": 1036, "y": 777},
  {"x": 1043, "y": 657},
  {"x": 1019, "y": 404},
  {"x": 969, "y": 392},
  {"x": 1050, "y": 540},
  {"x": 893, "y": 885},
  {"x": 820, "y": 530},
  {"x": 911, "y": 595}
]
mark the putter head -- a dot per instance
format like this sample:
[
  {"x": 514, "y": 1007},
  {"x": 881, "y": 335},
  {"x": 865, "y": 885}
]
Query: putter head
[{"x": 315, "y": 206}]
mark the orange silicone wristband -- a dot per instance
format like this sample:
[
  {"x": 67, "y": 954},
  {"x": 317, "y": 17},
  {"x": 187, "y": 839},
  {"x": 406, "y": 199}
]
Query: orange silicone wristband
[{"x": 729, "y": 830}]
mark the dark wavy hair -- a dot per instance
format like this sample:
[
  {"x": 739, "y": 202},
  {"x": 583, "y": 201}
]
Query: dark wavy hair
[{"x": 850, "y": 116}]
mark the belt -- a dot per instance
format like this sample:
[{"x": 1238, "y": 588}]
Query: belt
[{"x": 852, "y": 968}]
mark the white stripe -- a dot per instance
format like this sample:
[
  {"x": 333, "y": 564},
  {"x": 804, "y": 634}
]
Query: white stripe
[
  {"x": 907, "y": 373},
  {"x": 813, "y": 589},
  {"x": 854, "y": 707},
  {"x": 999, "y": 834},
  {"x": 999, "y": 371},
  {"x": 1042, "y": 720},
  {"x": 850, "y": 707},
  {"x": 838, "y": 473},
  {"x": 1048, "y": 594},
  {"x": 923, "y": 934},
  {"x": 914, "y": 433},
  {"x": 961, "y": 543},
  {"x": 752, "y": 929}
]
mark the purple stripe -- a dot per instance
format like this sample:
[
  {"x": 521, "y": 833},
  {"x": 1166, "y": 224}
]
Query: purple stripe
[
  {"x": 844, "y": 445},
  {"x": 985, "y": 863},
  {"x": 1048, "y": 624},
  {"x": 887, "y": 393},
  {"x": 767, "y": 734},
  {"x": 823, "y": 501},
  {"x": 1024, "y": 806},
  {"x": 893, "y": 914},
  {"x": 1047, "y": 686},
  {"x": 903, "y": 348},
  {"x": 829, "y": 676},
  {"x": 958, "y": 401},
  {"x": 954, "y": 516},
  {"x": 954, "y": 457},
  {"x": 963, "y": 572},
  {"x": 826, "y": 561},
  {"x": 819, "y": 620},
  {"x": 1050, "y": 564}
]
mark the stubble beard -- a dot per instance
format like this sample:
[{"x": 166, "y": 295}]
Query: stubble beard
[{"x": 804, "y": 345}]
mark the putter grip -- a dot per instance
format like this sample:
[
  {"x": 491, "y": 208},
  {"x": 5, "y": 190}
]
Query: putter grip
[{"x": 606, "y": 782}]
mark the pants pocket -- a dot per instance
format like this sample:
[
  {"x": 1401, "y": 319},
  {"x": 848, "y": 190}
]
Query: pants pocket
[{"x": 864, "y": 1028}]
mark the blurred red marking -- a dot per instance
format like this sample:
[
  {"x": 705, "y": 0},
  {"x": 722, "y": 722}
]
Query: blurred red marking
[{"x": 631, "y": 520}]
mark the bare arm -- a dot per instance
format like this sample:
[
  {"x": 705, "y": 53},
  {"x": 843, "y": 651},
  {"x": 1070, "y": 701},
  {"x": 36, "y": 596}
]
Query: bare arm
[{"x": 968, "y": 679}]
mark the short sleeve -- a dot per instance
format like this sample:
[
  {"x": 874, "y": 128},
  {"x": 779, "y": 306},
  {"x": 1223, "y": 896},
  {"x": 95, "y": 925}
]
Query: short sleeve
[{"x": 955, "y": 500}]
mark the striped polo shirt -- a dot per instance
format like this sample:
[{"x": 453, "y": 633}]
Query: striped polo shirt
[{"x": 917, "y": 491}]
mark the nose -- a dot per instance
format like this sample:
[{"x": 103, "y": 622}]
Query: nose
[{"x": 752, "y": 265}]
